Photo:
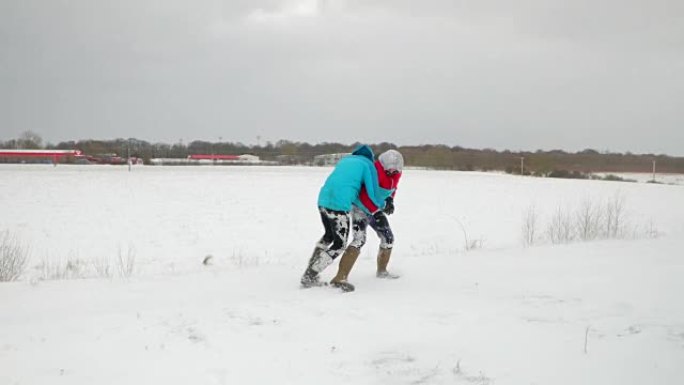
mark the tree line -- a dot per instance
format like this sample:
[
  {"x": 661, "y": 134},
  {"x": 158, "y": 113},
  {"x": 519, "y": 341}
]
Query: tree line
[{"x": 443, "y": 157}]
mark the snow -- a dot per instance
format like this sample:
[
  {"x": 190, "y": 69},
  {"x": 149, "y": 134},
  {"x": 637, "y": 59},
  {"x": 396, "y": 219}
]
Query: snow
[{"x": 601, "y": 312}]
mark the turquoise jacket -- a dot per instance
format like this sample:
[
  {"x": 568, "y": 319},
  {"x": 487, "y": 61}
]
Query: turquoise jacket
[{"x": 343, "y": 185}]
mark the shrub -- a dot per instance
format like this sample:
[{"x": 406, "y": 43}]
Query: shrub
[
  {"x": 567, "y": 174},
  {"x": 13, "y": 257},
  {"x": 530, "y": 226},
  {"x": 590, "y": 221},
  {"x": 126, "y": 262},
  {"x": 560, "y": 229},
  {"x": 614, "y": 178},
  {"x": 58, "y": 269}
]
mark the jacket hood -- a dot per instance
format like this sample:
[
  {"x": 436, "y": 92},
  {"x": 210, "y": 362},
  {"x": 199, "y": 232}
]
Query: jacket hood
[
  {"x": 364, "y": 150},
  {"x": 392, "y": 160}
]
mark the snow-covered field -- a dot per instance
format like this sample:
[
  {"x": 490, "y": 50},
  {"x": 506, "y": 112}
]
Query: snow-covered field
[{"x": 600, "y": 312}]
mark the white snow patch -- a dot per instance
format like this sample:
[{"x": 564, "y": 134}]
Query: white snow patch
[{"x": 604, "y": 312}]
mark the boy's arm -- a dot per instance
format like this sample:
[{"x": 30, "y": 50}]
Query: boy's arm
[
  {"x": 396, "y": 184},
  {"x": 366, "y": 201},
  {"x": 370, "y": 182},
  {"x": 389, "y": 202}
]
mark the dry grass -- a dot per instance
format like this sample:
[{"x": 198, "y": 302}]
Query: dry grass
[{"x": 13, "y": 257}]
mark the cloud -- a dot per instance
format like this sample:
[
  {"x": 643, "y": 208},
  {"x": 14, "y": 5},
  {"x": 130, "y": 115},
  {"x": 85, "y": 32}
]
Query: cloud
[
  {"x": 487, "y": 74},
  {"x": 291, "y": 9}
]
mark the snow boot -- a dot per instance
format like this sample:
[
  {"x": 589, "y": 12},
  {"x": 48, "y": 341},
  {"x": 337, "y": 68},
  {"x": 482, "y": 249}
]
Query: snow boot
[
  {"x": 383, "y": 261},
  {"x": 310, "y": 278},
  {"x": 317, "y": 263},
  {"x": 346, "y": 264}
]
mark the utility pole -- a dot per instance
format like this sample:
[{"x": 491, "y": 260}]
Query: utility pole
[
  {"x": 128, "y": 156},
  {"x": 522, "y": 165},
  {"x": 654, "y": 170}
]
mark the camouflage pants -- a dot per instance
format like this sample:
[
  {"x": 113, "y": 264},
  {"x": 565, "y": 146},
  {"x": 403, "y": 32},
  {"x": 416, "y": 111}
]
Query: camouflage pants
[
  {"x": 360, "y": 222},
  {"x": 336, "y": 225}
]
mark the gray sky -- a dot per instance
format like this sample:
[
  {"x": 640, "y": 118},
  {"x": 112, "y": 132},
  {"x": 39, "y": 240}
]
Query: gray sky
[{"x": 503, "y": 74}]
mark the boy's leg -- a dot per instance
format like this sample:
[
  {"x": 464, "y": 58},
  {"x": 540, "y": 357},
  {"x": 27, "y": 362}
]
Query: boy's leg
[
  {"x": 359, "y": 226},
  {"x": 339, "y": 221},
  {"x": 383, "y": 261},
  {"x": 336, "y": 223},
  {"x": 385, "y": 251},
  {"x": 326, "y": 239}
]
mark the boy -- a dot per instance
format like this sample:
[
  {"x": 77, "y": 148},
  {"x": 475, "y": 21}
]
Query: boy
[
  {"x": 364, "y": 212},
  {"x": 341, "y": 189}
]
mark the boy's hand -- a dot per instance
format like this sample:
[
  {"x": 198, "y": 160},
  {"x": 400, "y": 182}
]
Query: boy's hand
[{"x": 389, "y": 206}]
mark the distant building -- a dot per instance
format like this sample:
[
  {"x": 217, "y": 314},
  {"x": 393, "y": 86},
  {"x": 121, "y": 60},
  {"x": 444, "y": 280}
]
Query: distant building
[
  {"x": 37, "y": 156},
  {"x": 214, "y": 157},
  {"x": 328, "y": 159},
  {"x": 208, "y": 160},
  {"x": 57, "y": 156}
]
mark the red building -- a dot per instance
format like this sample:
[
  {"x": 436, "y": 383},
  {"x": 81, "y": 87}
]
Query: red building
[{"x": 52, "y": 155}]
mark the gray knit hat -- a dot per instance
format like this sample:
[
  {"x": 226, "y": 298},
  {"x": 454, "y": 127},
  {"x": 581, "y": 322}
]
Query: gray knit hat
[{"x": 392, "y": 160}]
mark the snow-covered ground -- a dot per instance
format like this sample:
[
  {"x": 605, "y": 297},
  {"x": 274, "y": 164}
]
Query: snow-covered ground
[{"x": 600, "y": 312}]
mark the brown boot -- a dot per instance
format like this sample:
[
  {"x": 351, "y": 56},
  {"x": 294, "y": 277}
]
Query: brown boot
[
  {"x": 383, "y": 261},
  {"x": 346, "y": 264}
]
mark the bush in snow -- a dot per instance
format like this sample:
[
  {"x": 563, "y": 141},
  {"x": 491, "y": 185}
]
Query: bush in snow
[
  {"x": 58, "y": 269},
  {"x": 13, "y": 257},
  {"x": 74, "y": 267},
  {"x": 614, "y": 218},
  {"x": 469, "y": 243},
  {"x": 102, "y": 267},
  {"x": 126, "y": 262},
  {"x": 590, "y": 221},
  {"x": 529, "y": 227},
  {"x": 560, "y": 228}
]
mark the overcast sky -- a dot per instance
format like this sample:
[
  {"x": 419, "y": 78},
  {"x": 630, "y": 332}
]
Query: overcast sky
[{"x": 504, "y": 74}]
